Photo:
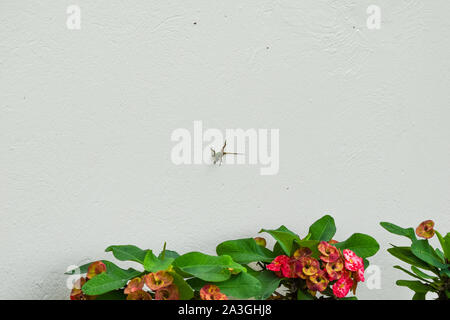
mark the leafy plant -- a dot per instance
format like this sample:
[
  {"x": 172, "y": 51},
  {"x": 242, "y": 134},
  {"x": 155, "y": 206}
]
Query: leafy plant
[
  {"x": 309, "y": 268},
  {"x": 313, "y": 267},
  {"x": 424, "y": 259}
]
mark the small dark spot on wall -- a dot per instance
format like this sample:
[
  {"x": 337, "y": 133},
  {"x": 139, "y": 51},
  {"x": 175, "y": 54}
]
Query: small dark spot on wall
[
  {"x": 195, "y": 23},
  {"x": 267, "y": 47}
]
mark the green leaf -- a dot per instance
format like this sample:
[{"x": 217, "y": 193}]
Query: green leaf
[
  {"x": 416, "y": 286},
  {"x": 445, "y": 244},
  {"x": 114, "y": 278},
  {"x": 445, "y": 272},
  {"x": 128, "y": 253},
  {"x": 405, "y": 254},
  {"x": 245, "y": 251},
  {"x": 440, "y": 254},
  {"x": 81, "y": 269},
  {"x": 392, "y": 228},
  {"x": 362, "y": 244},
  {"x": 419, "y": 296},
  {"x": 154, "y": 264},
  {"x": 277, "y": 250},
  {"x": 323, "y": 229},
  {"x": 269, "y": 283},
  {"x": 241, "y": 286},
  {"x": 409, "y": 273},
  {"x": 206, "y": 267},
  {"x": 284, "y": 237},
  {"x": 348, "y": 298},
  {"x": 304, "y": 295},
  {"x": 185, "y": 291},
  {"x": 422, "y": 250},
  {"x": 169, "y": 254},
  {"x": 421, "y": 273},
  {"x": 112, "y": 295}
]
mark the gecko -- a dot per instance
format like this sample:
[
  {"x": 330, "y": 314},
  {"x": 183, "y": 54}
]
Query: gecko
[{"x": 218, "y": 156}]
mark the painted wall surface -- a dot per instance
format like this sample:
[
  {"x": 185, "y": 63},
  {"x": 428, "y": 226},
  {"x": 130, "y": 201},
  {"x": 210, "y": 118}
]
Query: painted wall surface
[{"x": 86, "y": 118}]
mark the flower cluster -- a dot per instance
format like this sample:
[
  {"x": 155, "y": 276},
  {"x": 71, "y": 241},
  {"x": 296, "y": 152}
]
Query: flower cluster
[
  {"x": 161, "y": 283},
  {"x": 212, "y": 292},
  {"x": 343, "y": 270},
  {"x": 94, "y": 269}
]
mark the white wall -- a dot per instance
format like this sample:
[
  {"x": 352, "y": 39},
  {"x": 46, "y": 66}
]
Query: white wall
[{"x": 86, "y": 117}]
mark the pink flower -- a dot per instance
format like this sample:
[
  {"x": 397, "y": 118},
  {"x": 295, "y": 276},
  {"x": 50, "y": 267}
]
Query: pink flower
[
  {"x": 360, "y": 274},
  {"x": 352, "y": 261},
  {"x": 278, "y": 263},
  {"x": 342, "y": 286}
]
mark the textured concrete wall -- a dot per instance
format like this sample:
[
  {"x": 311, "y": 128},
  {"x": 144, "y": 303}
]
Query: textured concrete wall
[{"x": 86, "y": 117}]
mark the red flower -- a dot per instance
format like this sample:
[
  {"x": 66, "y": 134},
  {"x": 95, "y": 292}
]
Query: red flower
[
  {"x": 158, "y": 280},
  {"x": 168, "y": 293},
  {"x": 139, "y": 295},
  {"x": 289, "y": 270},
  {"x": 306, "y": 267},
  {"x": 317, "y": 282},
  {"x": 342, "y": 286},
  {"x": 211, "y": 292},
  {"x": 95, "y": 268},
  {"x": 425, "y": 229},
  {"x": 278, "y": 263},
  {"x": 329, "y": 253},
  {"x": 352, "y": 261},
  {"x": 135, "y": 284}
]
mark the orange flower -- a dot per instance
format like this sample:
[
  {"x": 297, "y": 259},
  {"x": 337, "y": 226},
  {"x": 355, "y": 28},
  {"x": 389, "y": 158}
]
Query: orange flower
[
  {"x": 135, "y": 284},
  {"x": 302, "y": 252},
  {"x": 260, "y": 241},
  {"x": 139, "y": 295},
  {"x": 329, "y": 253},
  {"x": 317, "y": 282},
  {"x": 334, "y": 269},
  {"x": 158, "y": 280},
  {"x": 425, "y": 229},
  {"x": 168, "y": 293},
  {"x": 77, "y": 293},
  {"x": 211, "y": 292},
  {"x": 220, "y": 296},
  {"x": 95, "y": 268},
  {"x": 306, "y": 267}
]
